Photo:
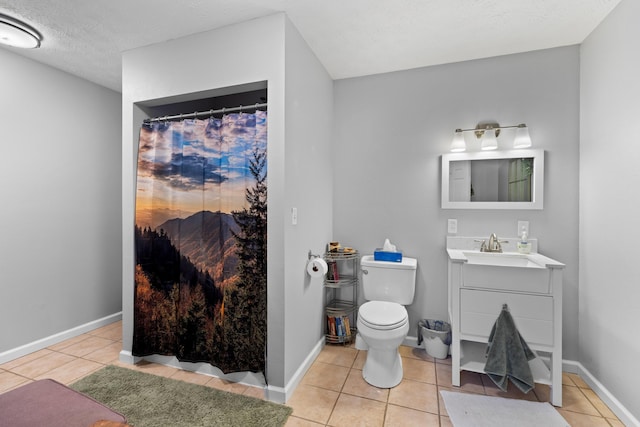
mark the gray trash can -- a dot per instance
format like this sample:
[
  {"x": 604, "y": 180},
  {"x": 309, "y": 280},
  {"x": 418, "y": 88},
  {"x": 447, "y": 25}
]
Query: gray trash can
[{"x": 436, "y": 335}]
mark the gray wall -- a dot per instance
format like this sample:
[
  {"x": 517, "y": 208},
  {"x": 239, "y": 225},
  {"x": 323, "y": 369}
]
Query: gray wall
[
  {"x": 390, "y": 131},
  {"x": 609, "y": 187},
  {"x": 60, "y": 260},
  {"x": 308, "y": 187}
]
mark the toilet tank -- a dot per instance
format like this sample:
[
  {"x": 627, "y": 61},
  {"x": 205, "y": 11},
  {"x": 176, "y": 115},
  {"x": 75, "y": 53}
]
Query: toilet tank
[{"x": 389, "y": 281}]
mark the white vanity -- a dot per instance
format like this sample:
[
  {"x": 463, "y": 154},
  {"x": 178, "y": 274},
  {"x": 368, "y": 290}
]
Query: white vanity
[{"x": 530, "y": 284}]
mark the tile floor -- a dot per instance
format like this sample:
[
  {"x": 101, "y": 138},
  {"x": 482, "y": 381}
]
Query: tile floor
[{"x": 332, "y": 393}]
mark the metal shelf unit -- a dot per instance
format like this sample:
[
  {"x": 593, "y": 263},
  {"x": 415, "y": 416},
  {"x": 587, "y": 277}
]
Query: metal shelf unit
[{"x": 341, "y": 297}]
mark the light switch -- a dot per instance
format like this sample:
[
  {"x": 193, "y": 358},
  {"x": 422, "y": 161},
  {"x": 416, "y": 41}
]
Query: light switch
[
  {"x": 452, "y": 226},
  {"x": 294, "y": 216}
]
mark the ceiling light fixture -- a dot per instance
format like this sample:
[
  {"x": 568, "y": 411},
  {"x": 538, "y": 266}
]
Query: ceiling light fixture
[
  {"x": 18, "y": 34},
  {"x": 488, "y": 134}
]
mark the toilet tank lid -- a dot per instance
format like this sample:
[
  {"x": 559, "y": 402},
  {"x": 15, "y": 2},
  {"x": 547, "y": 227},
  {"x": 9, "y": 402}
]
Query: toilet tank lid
[{"x": 406, "y": 263}]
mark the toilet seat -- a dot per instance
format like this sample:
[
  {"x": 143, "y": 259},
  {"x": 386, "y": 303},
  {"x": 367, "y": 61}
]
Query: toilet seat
[{"x": 383, "y": 315}]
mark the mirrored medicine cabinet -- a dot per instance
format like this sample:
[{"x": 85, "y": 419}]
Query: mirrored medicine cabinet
[{"x": 511, "y": 179}]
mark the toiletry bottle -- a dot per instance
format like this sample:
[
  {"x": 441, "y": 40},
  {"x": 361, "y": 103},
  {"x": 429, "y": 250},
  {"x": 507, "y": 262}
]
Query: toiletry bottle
[{"x": 524, "y": 247}]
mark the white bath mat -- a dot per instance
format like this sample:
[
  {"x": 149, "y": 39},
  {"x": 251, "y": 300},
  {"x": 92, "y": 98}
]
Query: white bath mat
[{"x": 473, "y": 410}]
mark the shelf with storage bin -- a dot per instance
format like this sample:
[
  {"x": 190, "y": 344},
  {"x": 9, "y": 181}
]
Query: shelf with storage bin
[
  {"x": 341, "y": 296},
  {"x": 341, "y": 282},
  {"x": 339, "y": 316}
]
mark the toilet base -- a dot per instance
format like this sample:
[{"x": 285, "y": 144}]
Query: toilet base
[
  {"x": 383, "y": 368},
  {"x": 360, "y": 343}
]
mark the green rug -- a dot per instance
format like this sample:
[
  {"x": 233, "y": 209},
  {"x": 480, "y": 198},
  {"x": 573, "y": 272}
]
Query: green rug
[{"x": 153, "y": 401}]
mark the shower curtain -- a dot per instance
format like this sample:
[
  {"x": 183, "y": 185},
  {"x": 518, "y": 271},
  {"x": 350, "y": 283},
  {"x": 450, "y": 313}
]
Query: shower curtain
[{"x": 201, "y": 241}]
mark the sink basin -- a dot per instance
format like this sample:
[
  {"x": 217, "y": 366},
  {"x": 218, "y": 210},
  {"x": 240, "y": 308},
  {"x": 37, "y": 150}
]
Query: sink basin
[
  {"x": 498, "y": 259},
  {"x": 505, "y": 271}
]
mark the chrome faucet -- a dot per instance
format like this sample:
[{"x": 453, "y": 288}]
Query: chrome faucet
[{"x": 494, "y": 245}]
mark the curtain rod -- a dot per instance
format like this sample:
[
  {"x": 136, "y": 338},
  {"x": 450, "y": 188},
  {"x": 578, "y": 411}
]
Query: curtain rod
[{"x": 209, "y": 113}]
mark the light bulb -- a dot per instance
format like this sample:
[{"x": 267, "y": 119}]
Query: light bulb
[
  {"x": 458, "y": 143},
  {"x": 522, "y": 139},
  {"x": 489, "y": 141}
]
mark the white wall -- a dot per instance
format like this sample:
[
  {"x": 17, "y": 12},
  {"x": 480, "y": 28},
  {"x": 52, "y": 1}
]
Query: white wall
[
  {"x": 391, "y": 130},
  {"x": 609, "y": 183},
  {"x": 60, "y": 259},
  {"x": 253, "y": 51}
]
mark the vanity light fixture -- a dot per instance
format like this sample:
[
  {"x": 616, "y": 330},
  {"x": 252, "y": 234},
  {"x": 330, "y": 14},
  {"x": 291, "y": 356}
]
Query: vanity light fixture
[
  {"x": 18, "y": 34},
  {"x": 488, "y": 134}
]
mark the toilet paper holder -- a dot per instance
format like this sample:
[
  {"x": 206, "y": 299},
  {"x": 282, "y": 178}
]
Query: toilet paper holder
[
  {"x": 311, "y": 256},
  {"x": 316, "y": 265}
]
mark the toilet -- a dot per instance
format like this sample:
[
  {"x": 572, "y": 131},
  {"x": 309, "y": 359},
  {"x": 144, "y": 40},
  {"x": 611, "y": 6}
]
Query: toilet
[{"x": 383, "y": 322}]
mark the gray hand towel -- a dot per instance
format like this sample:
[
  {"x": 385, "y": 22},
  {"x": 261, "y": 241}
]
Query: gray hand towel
[{"x": 508, "y": 355}]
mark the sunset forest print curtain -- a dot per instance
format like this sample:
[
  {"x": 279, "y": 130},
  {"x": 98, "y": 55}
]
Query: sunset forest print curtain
[{"x": 201, "y": 241}]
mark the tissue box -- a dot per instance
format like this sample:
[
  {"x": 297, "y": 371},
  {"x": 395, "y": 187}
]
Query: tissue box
[{"x": 380, "y": 255}]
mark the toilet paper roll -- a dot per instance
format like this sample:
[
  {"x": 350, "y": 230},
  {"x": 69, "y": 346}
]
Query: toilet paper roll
[{"x": 317, "y": 267}]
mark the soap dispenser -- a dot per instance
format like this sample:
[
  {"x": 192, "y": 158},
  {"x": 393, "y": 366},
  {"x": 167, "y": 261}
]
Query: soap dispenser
[{"x": 524, "y": 246}]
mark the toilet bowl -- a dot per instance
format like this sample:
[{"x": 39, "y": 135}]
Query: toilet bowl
[{"x": 382, "y": 327}]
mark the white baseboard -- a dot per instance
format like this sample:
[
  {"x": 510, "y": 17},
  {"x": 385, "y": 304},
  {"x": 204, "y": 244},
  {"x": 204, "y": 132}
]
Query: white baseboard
[
  {"x": 603, "y": 393},
  {"x": 283, "y": 394},
  {"x": 570, "y": 366},
  {"x": 276, "y": 394},
  {"x": 128, "y": 358},
  {"x": 411, "y": 342},
  {"x": 31, "y": 347}
]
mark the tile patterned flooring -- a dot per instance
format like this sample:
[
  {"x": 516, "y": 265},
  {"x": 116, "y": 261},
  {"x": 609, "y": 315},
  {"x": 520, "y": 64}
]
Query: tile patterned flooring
[{"x": 332, "y": 393}]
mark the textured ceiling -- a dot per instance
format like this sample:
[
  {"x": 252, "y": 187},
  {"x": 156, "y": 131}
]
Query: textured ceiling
[{"x": 350, "y": 37}]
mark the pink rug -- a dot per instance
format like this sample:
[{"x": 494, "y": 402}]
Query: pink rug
[{"x": 51, "y": 404}]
